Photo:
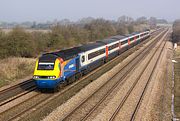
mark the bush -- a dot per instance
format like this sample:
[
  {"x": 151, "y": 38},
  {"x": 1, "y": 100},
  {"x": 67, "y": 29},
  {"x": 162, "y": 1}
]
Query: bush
[
  {"x": 176, "y": 31},
  {"x": 20, "y": 43},
  {"x": 17, "y": 43},
  {"x": 3, "y": 49}
]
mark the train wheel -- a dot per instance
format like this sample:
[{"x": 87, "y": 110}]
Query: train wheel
[
  {"x": 106, "y": 60},
  {"x": 71, "y": 79},
  {"x": 61, "y": 85},
  {"x": 85, "y": 72},
  {"x": 102, "y": 62},
  {"x": 78, "y": 76},
  {"x": 56, "y": 89}
]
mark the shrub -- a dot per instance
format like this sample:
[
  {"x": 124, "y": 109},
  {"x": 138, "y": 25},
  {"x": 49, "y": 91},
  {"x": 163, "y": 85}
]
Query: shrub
[
  {"x": 20, "y": 43},
  {"x": 176, "y": 31}
]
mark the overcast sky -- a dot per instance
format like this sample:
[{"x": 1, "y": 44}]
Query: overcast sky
[{"x": 43, "y": 10}]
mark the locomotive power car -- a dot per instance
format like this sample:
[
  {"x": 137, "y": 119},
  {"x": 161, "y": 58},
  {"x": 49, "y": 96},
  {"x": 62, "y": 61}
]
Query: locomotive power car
[{"x": 65, "y": 66}]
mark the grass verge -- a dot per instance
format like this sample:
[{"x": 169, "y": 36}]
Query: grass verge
[
  {"x": 177, "y": 82},
  {"x": 14, "y": 68}
]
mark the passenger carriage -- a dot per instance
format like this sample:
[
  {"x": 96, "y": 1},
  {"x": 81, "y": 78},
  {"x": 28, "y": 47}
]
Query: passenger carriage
[{"x": 65, "y": 66}]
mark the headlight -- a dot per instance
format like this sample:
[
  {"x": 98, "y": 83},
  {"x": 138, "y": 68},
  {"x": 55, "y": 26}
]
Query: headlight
[
  {"x": 51, "y": 77},
  {"x": 35, "y": 77}
]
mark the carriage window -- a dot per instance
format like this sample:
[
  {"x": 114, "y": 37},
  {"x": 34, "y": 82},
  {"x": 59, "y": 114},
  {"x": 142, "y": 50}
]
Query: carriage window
[
  {"x": 96, "y": 53},
  {"x": 131, "y": 39},
  {"x": 124, "y": 42},
  {"x": 113, "y": 46},
  {"x": 83, "y": 58}
]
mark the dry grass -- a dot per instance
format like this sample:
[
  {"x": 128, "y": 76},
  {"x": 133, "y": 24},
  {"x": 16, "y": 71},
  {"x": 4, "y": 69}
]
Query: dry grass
[
  {"x": 15, "y": 68},
  {"x": 177, "y": 53},
  {"x": 177, "y": 82}
]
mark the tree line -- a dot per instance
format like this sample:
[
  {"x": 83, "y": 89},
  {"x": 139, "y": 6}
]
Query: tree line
[
  {"x": 176, "y": 32},
  {"x": 20, "y": 43}
]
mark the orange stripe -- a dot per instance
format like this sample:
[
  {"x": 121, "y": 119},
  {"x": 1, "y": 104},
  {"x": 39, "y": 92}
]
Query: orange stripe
[
  {"x": 106, "y": 51},
  {"x": 128, "y": 41},
  {"x": 60, "y": 62}
]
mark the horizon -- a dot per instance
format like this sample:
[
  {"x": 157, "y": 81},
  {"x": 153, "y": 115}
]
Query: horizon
[
  {"x": 74, "y": 21},
  {"x": 43, "y": 11}
]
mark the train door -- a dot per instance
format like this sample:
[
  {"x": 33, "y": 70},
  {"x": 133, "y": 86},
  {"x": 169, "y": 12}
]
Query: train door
[{"x": 82, "y": 60}]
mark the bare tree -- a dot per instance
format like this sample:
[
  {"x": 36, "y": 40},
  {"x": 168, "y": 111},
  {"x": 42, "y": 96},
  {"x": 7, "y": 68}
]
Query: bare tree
[
  {"x": 142, "y": 20},
  {"x": 176, "y": 31},
  {"x": 125, "y": 19},
  {"x": 152, "y": 22}
]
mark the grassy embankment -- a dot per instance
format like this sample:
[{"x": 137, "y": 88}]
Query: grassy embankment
[
  {"x": 15, "y": 68},
  {"x": 177, "y": 82}
]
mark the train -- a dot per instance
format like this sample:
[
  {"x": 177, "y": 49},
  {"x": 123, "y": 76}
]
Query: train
[{"x": 65, "y": 66}]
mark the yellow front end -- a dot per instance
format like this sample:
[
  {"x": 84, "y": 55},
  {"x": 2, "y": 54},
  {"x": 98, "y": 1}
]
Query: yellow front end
[
  {"x": 55, "y": 72},
  {"x": 48, "y": 78}
]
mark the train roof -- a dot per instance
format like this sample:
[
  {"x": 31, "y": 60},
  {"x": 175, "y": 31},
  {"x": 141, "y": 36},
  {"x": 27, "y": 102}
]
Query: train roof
[
  {"x": 47, "y": 58},
  {"x": 73, "y": 52},
  {"x": 118, "y": 37},
  {"x": 129, "y": 35},
  {"x": 90, "y": 46},
  {"x": 68, "y": 53},
  {"x": 147, "y": 30},
  {"x": 64, "y": 54},
  {"x": 134, "y": 33},
  {"x": 107, "y": 41}
]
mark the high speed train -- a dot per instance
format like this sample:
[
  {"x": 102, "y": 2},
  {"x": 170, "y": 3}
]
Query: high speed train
[{"x": 65, "y": 66}]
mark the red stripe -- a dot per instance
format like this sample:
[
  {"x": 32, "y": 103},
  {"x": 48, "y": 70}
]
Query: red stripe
[
  {"x": 106, "y": 51},
  {"x": 128, "y": 41}
]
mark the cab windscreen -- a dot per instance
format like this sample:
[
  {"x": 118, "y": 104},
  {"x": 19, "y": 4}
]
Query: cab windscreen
[{"x": 45, "y": 66}]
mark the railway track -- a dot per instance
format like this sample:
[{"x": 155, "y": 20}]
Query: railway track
[
  {"x": 78, "y": 110},
  {"x": 144, "y": 89},
  {"x": 41, "y": 100},
  {"x": 16, "y": 91},
  {"x": 25, "y": 106}
]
